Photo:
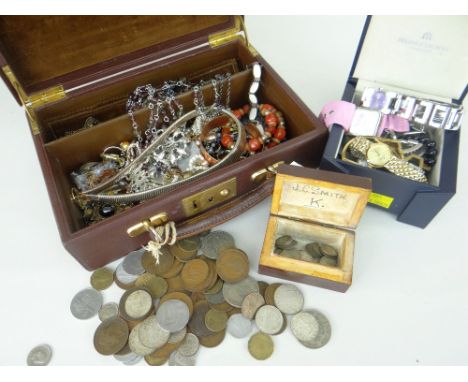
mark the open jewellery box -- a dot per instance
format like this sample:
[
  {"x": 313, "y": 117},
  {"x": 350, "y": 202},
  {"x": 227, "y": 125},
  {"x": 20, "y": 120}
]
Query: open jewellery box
[
  {"x": 64, "y": 69},
  {"x": 423, "y": 57},
  {"x": 314, "y": 206}
]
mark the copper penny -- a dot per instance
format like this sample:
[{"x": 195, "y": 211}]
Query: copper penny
[
  {"x": 197, "y": 322},
  {"x": 179, "y": 296},
  {"x": 232, "y": 265},
  {"x": 155, "y": 361},
  {"x": 165, "y": 351},
  {"x": 212, "y": 340},
  {"x": 197, "y": 296},
  {"x": 156, "y": 285},
  {"x": 222, "y": 307},
  {"x": 175, "y": 284},
  {"x": 194, "y": 274},
  {"x": 216, "y": 320},
  {"x": 111, "y": 336},
  {"x": 270, "y": 293},
  {"x": 175, "y": 269},
  {"x": 216, "y": 288},
  {"x": 165, "y": 262},
  {"x": 186, "y": 249}
]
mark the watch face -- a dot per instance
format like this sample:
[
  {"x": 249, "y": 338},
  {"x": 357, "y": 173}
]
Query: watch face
[{"x": 379, "y": 154}]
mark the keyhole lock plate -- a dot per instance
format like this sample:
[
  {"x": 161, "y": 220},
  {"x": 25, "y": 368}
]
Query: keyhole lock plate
[{"x": 209, "y": 198}]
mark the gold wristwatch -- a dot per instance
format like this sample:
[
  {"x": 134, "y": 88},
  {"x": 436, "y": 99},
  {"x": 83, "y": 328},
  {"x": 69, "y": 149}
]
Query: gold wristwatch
[{"x": 380, "y": 155}]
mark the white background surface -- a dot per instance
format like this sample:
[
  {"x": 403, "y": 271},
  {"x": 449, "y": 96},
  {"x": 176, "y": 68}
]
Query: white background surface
[{"x": 407, "y": 304}]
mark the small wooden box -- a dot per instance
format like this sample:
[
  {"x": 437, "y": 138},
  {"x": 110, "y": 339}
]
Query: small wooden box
[{"x": 314, "y": 206}]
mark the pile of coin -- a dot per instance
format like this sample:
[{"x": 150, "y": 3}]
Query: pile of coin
[
  {"x": 199, "y": 291},
  {"x": 313, "y": 252}
]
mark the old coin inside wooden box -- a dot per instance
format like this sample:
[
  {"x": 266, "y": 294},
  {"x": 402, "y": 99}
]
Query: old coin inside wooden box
[{"x": 310, "y": 235}]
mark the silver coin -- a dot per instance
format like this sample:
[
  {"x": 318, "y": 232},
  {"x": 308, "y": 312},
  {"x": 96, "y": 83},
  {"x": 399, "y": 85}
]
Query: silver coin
[
  {"x": 173, "y": 315},
  {"x": 177, "y": 336},
  {"x": 86, "y": 304},
  {"x": 269, "y": 319},
  {"x": 109, "y": 310},
  {"x": 135, "y": 344},
  {"x": 151, "y": 334},
  {"x": 39, "y": 356},
  {"x": 235, "y": 293},
  {"x": 239, "y": 326},
  {"x": 177, "y": 359},
  {"x": 190, "y": 345},
  {"x": 133, "y": 360},
  {"x": 138, "y": 304},
  {"x": 304, "y": 326},
  {"x": 128, "y": 357},
  {"x": 132, "y": 263},
  {"x": 124, "y": 277},
  {"x": 324, "y": 331},
  {"x": 217, "y": 298},
  {"x": 213, "y": 243},
  {"x": 289, "y": 299}
]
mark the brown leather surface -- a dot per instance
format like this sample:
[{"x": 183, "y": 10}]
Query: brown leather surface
[{"x": 48, "y": 50}]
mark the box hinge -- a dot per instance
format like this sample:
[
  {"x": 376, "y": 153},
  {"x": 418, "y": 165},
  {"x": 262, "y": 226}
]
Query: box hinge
[
  {"x": 221, "y": 38},
  {"x": 31, "y": 102}
]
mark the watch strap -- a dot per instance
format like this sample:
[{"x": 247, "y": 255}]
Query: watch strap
[
  {"x": 406, "y": 170},
  {"x": 339, "y": 113}
]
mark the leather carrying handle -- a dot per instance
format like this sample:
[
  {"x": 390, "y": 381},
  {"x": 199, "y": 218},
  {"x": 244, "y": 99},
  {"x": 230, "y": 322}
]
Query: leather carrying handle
[{"x": 227, "y": 211}]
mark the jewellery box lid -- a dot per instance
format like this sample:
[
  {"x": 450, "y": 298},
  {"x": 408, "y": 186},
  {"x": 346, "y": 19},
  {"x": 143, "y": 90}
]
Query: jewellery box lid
[
  {"x": 47, "y": 51},
  {"x": 320, "y": 196},
  {"x": 427, "y": 54}
]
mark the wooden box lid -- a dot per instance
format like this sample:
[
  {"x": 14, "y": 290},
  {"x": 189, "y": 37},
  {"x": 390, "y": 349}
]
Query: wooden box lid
[
  {"x": 42, "y": 52},
  {"x": 320, "y": 196}
]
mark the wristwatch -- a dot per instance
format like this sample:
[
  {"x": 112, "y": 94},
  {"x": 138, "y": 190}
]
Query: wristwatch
[{"x": 380, "y": 155}]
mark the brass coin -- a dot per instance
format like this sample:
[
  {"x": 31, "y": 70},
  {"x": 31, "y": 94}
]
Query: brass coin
[
  {"x": 213, "y": 340},
  {"x": 222, "y": 307},
  {"x": 270, "y": 292},
  {"x": 252, "y": 302},
  {"x": 262, "y": 285},
  {"x": 197, "y": 323},
  {"x": 179, "y": 296},
  {"x": 261, "y": 346},
  {"x": 186, "y": 249},
  {"x": 216, "y": 320},
  {"x": 175, "y": 269},
  {"x": 155, "y": 361},
  {"x": 175, "y": 284},
  {"x": 194, "y": 274},
  {"x": 136, "y": 304},
  {"x": 165, "y": 262},
  {"x": 165, "y": 350},
  {"x": 124, "y": 286},
  {"x": 111, "y": 336},
  {"x": 232, "y": 265},
  {"x": 156, "y": 285},
  {"x": 285, "y": 242},
  {"x": 216, "y": 288},
  {"x": 102, "y": 278},
  {"x": 328, "y": 250},
  {"x": 213, "y": 277},
  {"x": 197, "y": 296},
  {"x": 313, "y": 249}
]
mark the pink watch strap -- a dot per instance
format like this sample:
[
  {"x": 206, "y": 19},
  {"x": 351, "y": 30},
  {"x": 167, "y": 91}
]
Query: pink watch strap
[
  {"x": 393, "y": 123},
  {"x": 339, "y": 112}
]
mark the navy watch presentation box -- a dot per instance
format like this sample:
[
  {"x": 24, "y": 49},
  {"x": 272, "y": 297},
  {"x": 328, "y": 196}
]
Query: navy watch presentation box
[{"x": 425, "y": 57}]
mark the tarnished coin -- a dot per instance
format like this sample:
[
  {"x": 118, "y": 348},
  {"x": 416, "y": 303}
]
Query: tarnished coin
[
  {"x": 270, "y": 292},
  {"x": 269, "y": 319},
  {"x": 239, "y": 326},
  {"x": 217, "y": 287},
  {"x": 197, "y": 323},
  {"x": 186, "y": 249},
  {"x": 155, "y": 361},
  {"x": 175, "y": 269},
  {"x": 217, "y": 298},
  {"x": 102, "y": 278},
  {"x": 232, "y": 265},
  {"x": 213, "y": 340},
  {"x": 111, "y": 336},
  {"x": 252, "y": 302},
  {"x": 135, "y": 344},
  {"x": 39, "y": 356},
  {"x": 235, "y": 293},
  {"x": 177, "y": 336},
  {"x": 215, "y": 320},
  {"x": 313, "y": 249},
  {"x": 328, "y": 260},
  {"x": 213, "y": 243},
  {"x": 328, "y": 250},
  {"x": 292, "y": 253},
  {"x": 289, "y": 299},
  {"x": 324, "y": 331},
  {"x": 305, "y": 256},
  {"x": 173, "y": 315},
  {"x": 285, "y": 242},
  {"x": 156, "y": 285},
  {"x": 135, "y": 304},
  {"x": 86, "y": 304},
  {"x": 109, "y": 310},
  {"x": 151, "y": 334},
  {"x": 304, "y": 326},
  {"x": 195, "y": 275},
  {"x": 261, "y": 346},
  {"x": 123, "y": 279},
  {"x": 189, "y": 346},
  {"x": 132, "y": 262},
  {"x": 177, "y": 359},
  {"x": 175, "y": 284},
  {"x": 262, "y": 285},
  {"x": 133, "y": 361},
  {"x": 166, "y": 260}
]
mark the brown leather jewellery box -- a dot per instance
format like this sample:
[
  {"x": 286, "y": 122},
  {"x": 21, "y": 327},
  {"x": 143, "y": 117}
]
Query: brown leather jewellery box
[
  {"x": 64, "y": 69},
  {"x": 320, "y": 207}
]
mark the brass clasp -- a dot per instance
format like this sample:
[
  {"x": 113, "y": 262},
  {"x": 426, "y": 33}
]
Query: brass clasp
[
  {"x": 265, "y": 173},
  {"x": 145, "y": 225}
]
